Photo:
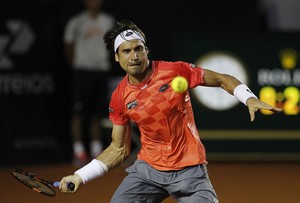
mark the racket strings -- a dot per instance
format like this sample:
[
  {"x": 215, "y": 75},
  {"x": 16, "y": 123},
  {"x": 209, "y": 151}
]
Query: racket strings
[{"x": 34, "y": 183}]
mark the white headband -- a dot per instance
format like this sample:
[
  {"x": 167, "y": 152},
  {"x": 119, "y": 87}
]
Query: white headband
[{"x": 126, "y": 36}]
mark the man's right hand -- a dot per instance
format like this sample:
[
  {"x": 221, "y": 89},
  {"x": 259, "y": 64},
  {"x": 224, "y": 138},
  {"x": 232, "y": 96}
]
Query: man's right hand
[{"x": 75, "y": 179}]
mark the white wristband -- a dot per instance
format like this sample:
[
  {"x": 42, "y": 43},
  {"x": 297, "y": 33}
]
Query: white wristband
[
  {"x": 92, "y": 170},
  {"x": 243, "y": 93}
]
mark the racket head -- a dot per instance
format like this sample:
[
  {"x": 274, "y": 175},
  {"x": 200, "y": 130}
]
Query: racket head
[{"x": 32, "y": 181}]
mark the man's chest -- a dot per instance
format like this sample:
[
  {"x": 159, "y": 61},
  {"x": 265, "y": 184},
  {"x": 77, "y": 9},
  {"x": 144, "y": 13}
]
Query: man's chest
[{"x": 152, "y": 103}]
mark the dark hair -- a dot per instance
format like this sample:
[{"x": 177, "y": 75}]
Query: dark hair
[{"x": 111, "y": 34}]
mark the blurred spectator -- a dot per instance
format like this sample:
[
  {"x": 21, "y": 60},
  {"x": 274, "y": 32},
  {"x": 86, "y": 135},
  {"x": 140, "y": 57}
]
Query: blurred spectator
[
  {"x": 281, "y": 15},
  {"x": 86, "y": 52}
]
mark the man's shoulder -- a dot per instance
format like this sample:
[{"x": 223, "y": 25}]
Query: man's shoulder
[
  {"x": 120, "y": 87},
  {"x": 75, "y": 18},
  {"x": 107, "y": 15},
  {"x": 161, "y": 64}
]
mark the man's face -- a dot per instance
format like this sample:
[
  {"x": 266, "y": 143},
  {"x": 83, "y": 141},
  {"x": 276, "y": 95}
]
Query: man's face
[{"x": 133, "y": 57}]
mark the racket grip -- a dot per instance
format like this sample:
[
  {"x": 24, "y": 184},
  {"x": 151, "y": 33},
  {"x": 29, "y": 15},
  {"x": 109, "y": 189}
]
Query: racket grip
[{"x": 71, "y": 186}]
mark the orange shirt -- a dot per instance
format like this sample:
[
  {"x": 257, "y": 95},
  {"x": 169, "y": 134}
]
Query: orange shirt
[{"x": 169, "y": 136}]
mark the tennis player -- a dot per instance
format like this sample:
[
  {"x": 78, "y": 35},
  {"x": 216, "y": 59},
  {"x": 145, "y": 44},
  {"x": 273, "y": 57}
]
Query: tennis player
[{"x": 172, "y": 158}]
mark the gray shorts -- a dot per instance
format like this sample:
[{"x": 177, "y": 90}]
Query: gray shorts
[{"x": 145, "y": 184}]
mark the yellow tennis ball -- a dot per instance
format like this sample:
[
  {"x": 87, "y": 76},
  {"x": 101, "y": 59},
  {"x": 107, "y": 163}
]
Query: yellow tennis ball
[{"x": 179, "y": 84}]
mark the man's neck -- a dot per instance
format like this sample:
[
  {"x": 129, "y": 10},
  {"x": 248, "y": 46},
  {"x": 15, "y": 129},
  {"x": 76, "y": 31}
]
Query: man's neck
[{"x": 143, "y": 77}]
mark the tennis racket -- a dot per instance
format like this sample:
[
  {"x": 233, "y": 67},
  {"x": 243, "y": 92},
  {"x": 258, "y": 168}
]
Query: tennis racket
[{"x": 37, "y": 184}]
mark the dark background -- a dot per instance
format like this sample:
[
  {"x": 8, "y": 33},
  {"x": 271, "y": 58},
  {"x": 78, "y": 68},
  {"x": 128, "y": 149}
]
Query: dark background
[{"x": 34, "y": 88}]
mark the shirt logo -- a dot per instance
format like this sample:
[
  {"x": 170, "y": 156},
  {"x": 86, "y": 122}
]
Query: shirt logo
[
  {"x": 164, "y": 87},
  {"x": 132, "y": 104}
]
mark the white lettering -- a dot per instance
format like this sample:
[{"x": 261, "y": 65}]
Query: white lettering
[
  {"x": 19, "y": 84},
  {"x": 278, "y": 77},
  {"x": 296, "y": 77}
]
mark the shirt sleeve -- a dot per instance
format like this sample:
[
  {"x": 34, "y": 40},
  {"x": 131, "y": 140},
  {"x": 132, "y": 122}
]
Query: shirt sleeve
[
  {"x": 116, "y": 109},
  {"x": 70, "y": 30},
  {"x": 194, "y": 74}
]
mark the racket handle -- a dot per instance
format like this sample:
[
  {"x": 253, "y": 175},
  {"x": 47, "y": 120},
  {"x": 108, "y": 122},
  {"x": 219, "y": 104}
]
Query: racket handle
[{"x": 71, "y": 186}]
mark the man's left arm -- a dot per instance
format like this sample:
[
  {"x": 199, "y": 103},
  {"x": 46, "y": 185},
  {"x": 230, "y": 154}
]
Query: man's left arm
[{"x": 234, "y": 87}]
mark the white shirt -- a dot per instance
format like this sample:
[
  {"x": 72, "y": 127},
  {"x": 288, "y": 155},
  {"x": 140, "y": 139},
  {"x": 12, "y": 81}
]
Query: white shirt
[{"x": 87, "y": 34}]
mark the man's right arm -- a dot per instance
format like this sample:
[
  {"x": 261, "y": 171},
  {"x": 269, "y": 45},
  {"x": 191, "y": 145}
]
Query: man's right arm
[
  {"x": 69, "y": 52},
  {"x": 119, "y": 148},
  {"x": 112, "y": 156},
  {"x": 69, "y": 39}
]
